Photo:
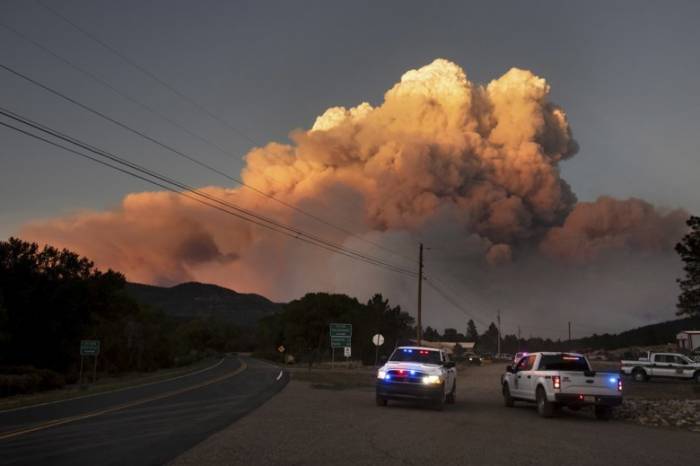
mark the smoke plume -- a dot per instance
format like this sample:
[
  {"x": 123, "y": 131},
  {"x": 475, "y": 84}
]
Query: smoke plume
[{"x": 471, "y": 169}]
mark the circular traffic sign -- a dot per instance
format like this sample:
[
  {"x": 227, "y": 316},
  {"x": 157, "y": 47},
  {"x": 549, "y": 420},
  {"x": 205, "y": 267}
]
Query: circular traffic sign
[{"x": 378, "y": 339}]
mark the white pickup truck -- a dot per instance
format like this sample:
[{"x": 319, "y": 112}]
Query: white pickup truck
[
  {"x": 671, "y": 365},
  {"x": 417, "y": 373},
  {"x": 553, "y": 380}
]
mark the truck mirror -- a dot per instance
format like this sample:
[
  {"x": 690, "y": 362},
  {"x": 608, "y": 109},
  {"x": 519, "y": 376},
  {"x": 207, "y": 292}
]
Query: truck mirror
[{"x": 509, "y": 368}]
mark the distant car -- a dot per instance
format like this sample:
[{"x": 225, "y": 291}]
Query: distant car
[
  {"x": 417, "y": 373},
  {"x": 668, "y": 365},
  {"x": 553, "y": 380},
  {"x": 473, "y": 359},
  {"x": 517, "y": 357}
]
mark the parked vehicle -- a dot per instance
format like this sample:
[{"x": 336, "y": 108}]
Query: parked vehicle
[
  {"x": 669, "y": 365},
  {"x": 554, "y": 380},
  {"x": 417, "y": 373},
  {"x": 517, "y": 357},
  {"x": 473, "y": 359}
]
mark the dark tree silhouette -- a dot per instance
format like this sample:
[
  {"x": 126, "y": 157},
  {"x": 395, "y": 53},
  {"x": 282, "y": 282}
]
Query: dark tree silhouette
[{"x": 689, "y": 250}]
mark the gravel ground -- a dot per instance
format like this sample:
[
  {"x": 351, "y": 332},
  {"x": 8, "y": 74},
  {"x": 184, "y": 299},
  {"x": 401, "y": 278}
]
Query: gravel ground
[{"x": 318, "y": 426}]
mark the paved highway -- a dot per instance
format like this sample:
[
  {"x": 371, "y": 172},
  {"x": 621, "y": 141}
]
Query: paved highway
[
  {"x": 304, "y": 425},
  {"x": 149, "y": 424}
]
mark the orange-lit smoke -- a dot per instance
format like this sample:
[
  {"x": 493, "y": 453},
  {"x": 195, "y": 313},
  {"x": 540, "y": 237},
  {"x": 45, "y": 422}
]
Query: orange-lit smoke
[{"x": 439, "y": 148}]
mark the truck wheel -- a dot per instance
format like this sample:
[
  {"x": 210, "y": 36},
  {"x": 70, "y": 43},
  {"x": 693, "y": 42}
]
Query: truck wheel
[
  {"x": 544, "y": 407},
  {"x": 508, "y": 400},
  {"x": 639, "y": 375},
  {"x": 439, "y": 404},
  {"x": 381, "y": 401},
  {"x": 452, "y": 396},
  {"x": 603, "y": 413}
]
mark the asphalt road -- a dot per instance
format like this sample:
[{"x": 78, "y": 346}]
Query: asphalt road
[
  {"x": 144, "y": 425},
  {"x": 304, "y": 425}
]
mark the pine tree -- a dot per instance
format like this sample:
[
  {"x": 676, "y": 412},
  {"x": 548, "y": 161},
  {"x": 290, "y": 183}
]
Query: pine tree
[{"x": 689, "y": 250}]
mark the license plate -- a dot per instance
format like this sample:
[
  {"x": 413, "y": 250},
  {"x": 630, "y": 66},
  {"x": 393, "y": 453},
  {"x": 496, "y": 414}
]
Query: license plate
[{"x": 589, "y": 399}]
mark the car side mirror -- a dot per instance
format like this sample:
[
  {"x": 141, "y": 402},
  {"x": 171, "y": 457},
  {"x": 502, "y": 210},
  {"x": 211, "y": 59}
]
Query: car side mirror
[{"x": 449, "y": 364}]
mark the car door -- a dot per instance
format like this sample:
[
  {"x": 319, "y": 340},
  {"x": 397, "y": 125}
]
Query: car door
[
  {"x": 682, "y": 368},
  {"x": 450, "y": 373},
  {"x": 520, "y": 377},
  {"x": 663, "y": 365}
]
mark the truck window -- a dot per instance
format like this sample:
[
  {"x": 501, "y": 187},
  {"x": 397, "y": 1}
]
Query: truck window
[
  {"x": 526, "y": 364},
  {"x": 415, "y": 355},
  {"x": 563, "y": 362}
]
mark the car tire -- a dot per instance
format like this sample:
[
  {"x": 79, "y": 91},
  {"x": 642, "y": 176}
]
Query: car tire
[
  {"x": 381, "y": 401},
  {"x": 452, "y": 396},
  {"x": 545, "y": 408},
  {"x": 639, "y": 375},
  {"x": 439, "y": 403},
  {"x": 508, "y": 400},
  {"x": 603, "y": 413}
]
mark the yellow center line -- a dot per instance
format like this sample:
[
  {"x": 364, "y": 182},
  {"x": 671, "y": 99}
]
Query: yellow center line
[{"x": 131, "y": 404}]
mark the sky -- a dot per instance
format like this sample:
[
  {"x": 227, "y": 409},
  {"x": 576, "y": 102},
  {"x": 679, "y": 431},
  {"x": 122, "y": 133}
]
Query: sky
[{"x": 625, "y": 72}]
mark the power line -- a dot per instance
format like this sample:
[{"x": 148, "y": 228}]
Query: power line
[
  {"x": 146, "y": 136},
  {"x": 199, "y": 196},
  {"x": 203, "y": 109}
]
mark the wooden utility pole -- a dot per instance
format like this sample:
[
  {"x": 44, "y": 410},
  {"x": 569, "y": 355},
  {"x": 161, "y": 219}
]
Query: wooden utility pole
[
  {"x": 569, "y": 331},
  {"x": 419, "y": 329},
  {"x": 499, "y": 333}
]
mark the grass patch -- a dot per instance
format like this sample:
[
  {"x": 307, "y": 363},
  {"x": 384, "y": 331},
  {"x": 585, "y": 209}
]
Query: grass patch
[{"x": 332, "y": 380}]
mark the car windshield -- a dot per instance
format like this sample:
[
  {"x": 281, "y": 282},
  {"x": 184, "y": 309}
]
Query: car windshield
[
  {"x": 415, "y": 355},
  {"x": 563, "y": 362}
]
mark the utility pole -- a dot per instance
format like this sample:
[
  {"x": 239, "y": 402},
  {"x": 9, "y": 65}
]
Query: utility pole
[
  {"x": 499, "y": 333},
  {"x": 518, "y": 337},
  {"x": 569, "y": 331},
  {"x": 419, "y": 330}
]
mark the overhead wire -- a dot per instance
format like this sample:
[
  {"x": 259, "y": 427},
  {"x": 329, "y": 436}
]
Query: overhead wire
[
  {"x": 203, "y": 109},
  {"x": 223, "y": 205}
]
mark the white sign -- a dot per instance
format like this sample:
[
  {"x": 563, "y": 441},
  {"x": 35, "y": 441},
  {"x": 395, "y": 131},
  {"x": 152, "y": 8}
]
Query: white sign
[
  {"x": 347, "y": 351},
  {"x": 378, "y": 340}
]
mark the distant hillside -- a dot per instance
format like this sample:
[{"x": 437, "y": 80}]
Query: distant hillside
[
  {"x": 649, "y": 335},
  {"x": 199, "y": 300}
]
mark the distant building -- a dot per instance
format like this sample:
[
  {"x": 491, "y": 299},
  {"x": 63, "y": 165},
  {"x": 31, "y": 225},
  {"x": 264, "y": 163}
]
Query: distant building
[
  {"x": 688, "y": 339},
  {"x": 449, "y": 346}
]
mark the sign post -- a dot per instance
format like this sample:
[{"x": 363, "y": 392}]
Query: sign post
[
  {"x": 341, "y": 337},
  {"x": 378, "y": 341},
  {"x": 89, "y": 348}
]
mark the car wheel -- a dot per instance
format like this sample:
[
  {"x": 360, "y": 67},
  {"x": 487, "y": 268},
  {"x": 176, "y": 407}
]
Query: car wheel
[
  {"x": 544, "y": 407},
  {"x": 439, "y": 403},
  {"x": 508, "y": 400},
  {"x": 381, "y": 401},
  {"x": 452, "y": 396},
  {"x": 639, "y": 375},
  {"x": 603, "y": 413}
]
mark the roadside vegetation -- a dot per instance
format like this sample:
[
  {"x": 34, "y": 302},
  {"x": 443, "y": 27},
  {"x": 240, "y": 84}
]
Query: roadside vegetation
[{"x": 50, "y": 299}]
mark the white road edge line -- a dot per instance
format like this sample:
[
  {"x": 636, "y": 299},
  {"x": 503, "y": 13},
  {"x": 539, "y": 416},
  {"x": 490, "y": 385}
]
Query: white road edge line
[
  {"x": 280, "y": 375},
  {"x": 115, "y": 390}
]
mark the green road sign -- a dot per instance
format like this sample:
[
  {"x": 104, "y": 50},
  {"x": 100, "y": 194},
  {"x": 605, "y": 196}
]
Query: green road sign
[
  {"x": 341, "y": 335},
  {"x": 89, "y": 347}
]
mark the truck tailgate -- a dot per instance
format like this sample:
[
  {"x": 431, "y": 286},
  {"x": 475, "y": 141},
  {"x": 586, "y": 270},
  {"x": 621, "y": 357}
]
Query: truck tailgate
[{"x": 599, "y": 384}]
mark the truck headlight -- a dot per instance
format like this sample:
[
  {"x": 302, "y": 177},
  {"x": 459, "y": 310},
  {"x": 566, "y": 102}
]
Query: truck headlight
[
  {"x": 381, "y": 374},
  {"x": 431, "y": 379}
]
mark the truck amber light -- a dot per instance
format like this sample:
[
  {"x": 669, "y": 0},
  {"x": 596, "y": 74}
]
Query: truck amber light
[{"x": 556, "y": 381}]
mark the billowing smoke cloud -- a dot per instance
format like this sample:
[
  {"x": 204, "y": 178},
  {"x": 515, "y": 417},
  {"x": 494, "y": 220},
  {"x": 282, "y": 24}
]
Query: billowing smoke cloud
[{"x": 478, "y": 164}]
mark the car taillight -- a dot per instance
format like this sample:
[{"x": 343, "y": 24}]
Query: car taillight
[
  {"x": 556, "y": 381},
  {"x": 619, "y": 384}
]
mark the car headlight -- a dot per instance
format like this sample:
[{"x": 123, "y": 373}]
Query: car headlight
[
  {"x": 431, "y": 379},
  {"x": 381, "y": 373}
]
